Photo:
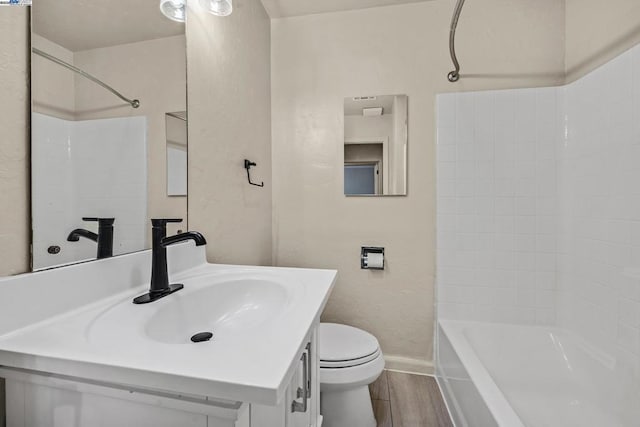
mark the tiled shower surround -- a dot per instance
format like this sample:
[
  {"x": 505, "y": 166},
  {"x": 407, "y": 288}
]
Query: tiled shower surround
[
  {"x": 539, "y": 206},
  {"x": 497, "y": 204},
  {"x": 108, "y": 154}
]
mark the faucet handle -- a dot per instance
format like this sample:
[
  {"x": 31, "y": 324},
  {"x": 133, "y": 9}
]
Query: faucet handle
[
  {"x": 162, "y": 222},
  {"x": 100, "y": 221}
]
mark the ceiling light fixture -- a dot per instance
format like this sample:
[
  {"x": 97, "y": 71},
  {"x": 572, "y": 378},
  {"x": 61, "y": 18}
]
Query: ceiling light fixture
[
  {"x": 173, "y": 9},
  {"x": 218, "y": 7}
]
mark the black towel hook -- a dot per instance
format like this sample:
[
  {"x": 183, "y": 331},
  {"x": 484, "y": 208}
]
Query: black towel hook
[{"x": 247, "y": 166}]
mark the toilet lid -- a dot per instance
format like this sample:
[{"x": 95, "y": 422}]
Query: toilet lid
[{"x": 342, "y": 343}]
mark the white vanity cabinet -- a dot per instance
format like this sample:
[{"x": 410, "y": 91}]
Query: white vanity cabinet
[
  {"x": 301, "y": 405},
  {"x": 41, "y": 400}
]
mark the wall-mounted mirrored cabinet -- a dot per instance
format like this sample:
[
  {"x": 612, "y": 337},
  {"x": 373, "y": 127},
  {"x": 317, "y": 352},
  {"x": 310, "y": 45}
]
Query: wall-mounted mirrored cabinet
[
  {"x": 375, "y": 145},
  {"x": 101, "y": 91}
]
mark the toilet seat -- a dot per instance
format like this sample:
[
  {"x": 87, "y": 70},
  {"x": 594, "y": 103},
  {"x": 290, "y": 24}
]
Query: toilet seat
[
  {"x": 342, "y": 346},
  {"x": 349, "y": 363}
]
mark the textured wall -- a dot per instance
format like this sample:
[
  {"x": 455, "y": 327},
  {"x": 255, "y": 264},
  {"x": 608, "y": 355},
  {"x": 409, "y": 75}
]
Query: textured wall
[
  {"x": 230, "y": 120},
  {"x": 317, "y": 61},
  {"x": 14, "y": 146},
  {"x": 597, "y": 31}
]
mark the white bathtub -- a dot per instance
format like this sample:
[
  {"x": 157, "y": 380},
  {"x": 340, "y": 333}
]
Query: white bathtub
[{"x": 515, "y": 376}]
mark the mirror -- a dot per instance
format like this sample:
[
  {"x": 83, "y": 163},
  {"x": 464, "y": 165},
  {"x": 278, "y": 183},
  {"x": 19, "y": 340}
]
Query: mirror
[
  {"x": 104, "y": 76},
  {"x": 375, "y": 145},
  {"x": 176, "y": 154}
]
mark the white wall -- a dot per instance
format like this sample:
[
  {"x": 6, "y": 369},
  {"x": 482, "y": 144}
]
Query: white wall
[
  {"x": 14, "y": 140},
  {"x": 321, "y": 59},
  {"x": 230, "y": 120},
  {"x": 597, "y": 31},
  {"x": 88, "y": 168},
  {"x": 497, "y": 205}
]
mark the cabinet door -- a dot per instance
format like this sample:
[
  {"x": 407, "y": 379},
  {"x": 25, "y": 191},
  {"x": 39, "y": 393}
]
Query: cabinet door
[
  {"x": 34, "y": 405},
  {"x": 303, "y": 387},
  {"x": 315, "y": 381},
  {"x": 301, "y": 391}
]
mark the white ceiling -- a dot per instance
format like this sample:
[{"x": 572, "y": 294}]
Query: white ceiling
[
  {"x": 88, "y": 24},
  {"x": 284, "y": 8}
]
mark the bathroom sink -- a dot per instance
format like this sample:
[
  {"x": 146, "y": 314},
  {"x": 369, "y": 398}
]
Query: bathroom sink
[
  {"x": 229, "y": 307},
  {"x": 248, "y": 324},
  {"x": 225, "y": 309}
]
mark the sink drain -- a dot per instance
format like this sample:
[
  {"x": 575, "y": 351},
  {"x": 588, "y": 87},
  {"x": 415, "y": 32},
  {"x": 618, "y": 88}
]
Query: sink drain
[{"x": 202, "y": 336}]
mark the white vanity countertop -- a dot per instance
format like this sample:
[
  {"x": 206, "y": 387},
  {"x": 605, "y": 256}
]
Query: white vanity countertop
[{"x": 114, "y": 341}]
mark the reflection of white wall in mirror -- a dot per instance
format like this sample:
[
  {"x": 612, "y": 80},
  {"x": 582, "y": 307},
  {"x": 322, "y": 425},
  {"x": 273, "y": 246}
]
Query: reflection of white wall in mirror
[
  {"x": 176, "y": 130},
  {"x": 176, "y": 170},
  {"x": 360, "y": 126},
  {"x": 63, "y": 151},
  {"x": 52, "y": 86},
  {"x": 398, "y": 179}
]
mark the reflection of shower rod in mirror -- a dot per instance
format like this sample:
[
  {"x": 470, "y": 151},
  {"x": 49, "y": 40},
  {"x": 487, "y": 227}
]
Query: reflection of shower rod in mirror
[{"x": 133, "y": 102}]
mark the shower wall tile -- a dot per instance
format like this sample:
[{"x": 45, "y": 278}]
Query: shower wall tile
[
  {"x": 539, "y": 207},
  {"x": 599, "y": 261},
  {"x": 498, "y": 205}
]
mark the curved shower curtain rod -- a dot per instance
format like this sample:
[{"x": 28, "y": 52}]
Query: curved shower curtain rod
[
  {"x": 135, "y": 103},
  {"x": 454, "y": 75}
]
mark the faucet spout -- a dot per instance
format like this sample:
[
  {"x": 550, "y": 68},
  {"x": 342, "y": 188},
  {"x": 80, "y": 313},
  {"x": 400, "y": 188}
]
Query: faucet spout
[
  {"x": 104, "y": 237},
  {"x": 189, "y": 235},
  {"x": 160, "y": 286},
  {"x": 76, "y": 234}
]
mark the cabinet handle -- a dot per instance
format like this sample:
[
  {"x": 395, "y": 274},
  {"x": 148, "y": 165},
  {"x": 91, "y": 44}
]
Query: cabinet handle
[
  {"x": 310, "y": 371},
  {"x": 302, "y": 392}
]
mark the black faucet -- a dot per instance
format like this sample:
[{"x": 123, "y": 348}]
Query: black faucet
[
  {"x": 160, "y": 286},
  {"x": 104, "y": 238}
]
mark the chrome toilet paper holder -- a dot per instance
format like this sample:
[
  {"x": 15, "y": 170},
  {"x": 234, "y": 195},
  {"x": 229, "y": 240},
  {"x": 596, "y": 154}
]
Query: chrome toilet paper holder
[{"x": 364, "y": 257}]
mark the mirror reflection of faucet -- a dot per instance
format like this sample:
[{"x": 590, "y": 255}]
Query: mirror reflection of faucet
[
  {"x": 104, "y": 237},
  {"x": 160, "y": 286}
]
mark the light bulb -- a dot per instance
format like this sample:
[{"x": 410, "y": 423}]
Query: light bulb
[
  {"x": 173, "y": 9},
  {"x": 218, "y": 7}
]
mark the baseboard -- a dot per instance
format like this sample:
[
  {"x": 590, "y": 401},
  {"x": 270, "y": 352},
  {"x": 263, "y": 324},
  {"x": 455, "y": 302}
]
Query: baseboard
[{"x": 409, "y": 365}]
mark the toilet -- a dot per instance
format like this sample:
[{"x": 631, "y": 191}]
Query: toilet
[{"x": 350, "y": 360}]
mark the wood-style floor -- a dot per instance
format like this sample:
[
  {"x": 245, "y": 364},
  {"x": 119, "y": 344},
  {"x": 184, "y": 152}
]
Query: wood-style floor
[{"x": 405, "y": 400}]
